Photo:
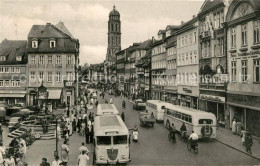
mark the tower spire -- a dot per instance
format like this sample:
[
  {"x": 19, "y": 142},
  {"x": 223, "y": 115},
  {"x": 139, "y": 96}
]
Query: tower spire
[{"x": 114, "y": 7}]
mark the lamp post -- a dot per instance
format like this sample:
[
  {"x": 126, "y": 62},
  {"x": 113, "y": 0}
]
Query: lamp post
[{"x": 56, "y": 153}]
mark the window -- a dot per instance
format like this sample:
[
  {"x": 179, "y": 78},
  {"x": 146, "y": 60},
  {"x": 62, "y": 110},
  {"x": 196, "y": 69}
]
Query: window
[
  {"x": 257, "y": 71},
  {"x": 32, "y": 76},
  {"x": 58, "y": 59},
  {"x": 52, "y": 43},
  {"x": 205, "y": 121},
  {"x": 34, "y": 44},
  {"x": 191, "y": 60},
  {"x": 187, "y": 58},
  {"x": 221, "y": 18},
  {"x": 256, "y": 32},
  {"x": 33, "y": 59},
  {"x": 49, "y": 59},
  {"x": 190, "y": 38},
  {"x": 69, "y": 76},
  {"x": 244, "y": 71},
  {"x": 49, "y": 77},
  {"x": 41, "y": 61},
  {"x": 195, "y": 37},
  {"x": 215, "y": 21},
  {"x": 233, "y": 38},
  {"x": 58, "y": 77},
  {"x": 7, "y": 83},
  {"x": 19, "y": 58},
  {"x": 218, "y": 20},
  {"x": 41, "y": 76},
  {"x": 6, "y": 69},
  {"x": 233, "y": 71},
  {"x": 195, "y": 57},
  {"x": 69, "y": 59},
  {"x": 244, "y": 35},
  {"x": 17, "y": 69},
  {"x": 1, "y": 69},
  {"x": 222, "y": 46},
  {"x": 12, "y": 70},
  {"x": 1, "y": 83},
  {"x": 122, "y": 139},
  {"x": 2, "y": 58},
  {"x": 15, "y": 83},
  {"x": 103, "y": 140}
]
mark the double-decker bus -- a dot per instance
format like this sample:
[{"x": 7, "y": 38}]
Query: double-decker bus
[
  {"x": 202, "y": 123},
  {"x": 111, "y": 140},
  {"x": 106, "y": 109}
]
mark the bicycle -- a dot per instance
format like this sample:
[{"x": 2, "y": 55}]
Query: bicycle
[
  {"x": 183, "y": 137},
  {"x": 171, "y": 137},
  {"x": 194, "y": 148}
]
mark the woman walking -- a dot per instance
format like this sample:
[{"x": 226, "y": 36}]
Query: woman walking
[{"x": 65, "y": 153}]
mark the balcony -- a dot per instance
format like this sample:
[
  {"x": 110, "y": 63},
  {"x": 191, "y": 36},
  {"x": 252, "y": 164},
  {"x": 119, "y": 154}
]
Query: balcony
[{"x": 213, "y": 86}]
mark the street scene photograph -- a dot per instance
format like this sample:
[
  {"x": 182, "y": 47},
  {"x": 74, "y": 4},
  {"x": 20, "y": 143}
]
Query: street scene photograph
[{"x": 129, "y": 82}]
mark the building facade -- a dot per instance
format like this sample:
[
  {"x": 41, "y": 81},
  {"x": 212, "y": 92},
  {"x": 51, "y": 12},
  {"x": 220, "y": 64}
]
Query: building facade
[
  {"x": 158, "y": 68},
  {"x": 171, "y": 65},
  {"x": 188, "y": 64},
  {"x": 212, "y": 54},
  {"x": 243, "y": 91},
  {"x": 53, "y": 59},
  {"x": 13, "y": 59}
]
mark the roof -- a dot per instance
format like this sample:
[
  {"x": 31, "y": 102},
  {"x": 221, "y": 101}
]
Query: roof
[
  {"x": 63, "y": 28},
  {"x": 43, "y": 34},
  {"x": 186, "y": 25},
  {"x": 109, "y": 125},
  {"x": 12, "y": 49},
  {"x": 209, "y": 4},
  {"x": 145, "y": 45},
  {"x": 114, "y": 12},
  {"x": 107, "y": 109}
]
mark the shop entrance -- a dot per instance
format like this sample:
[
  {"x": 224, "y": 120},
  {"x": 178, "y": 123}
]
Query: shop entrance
[{"x": 252, "y": 122}]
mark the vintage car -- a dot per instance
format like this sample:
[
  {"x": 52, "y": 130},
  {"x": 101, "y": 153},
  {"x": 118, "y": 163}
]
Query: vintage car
[{"x": 139, "y": 105}]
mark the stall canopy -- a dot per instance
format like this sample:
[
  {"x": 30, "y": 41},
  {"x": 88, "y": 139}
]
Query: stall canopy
[{"x": 54, "y": 94}]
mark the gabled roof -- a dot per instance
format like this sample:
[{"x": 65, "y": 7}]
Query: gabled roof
[
  {"x": 161, "y": 31},
  {"x": 145, "y": 45},
  {"x": 11, "y": 49},
  {"x": 172, "y": 27},
  {"x": 209, "y": 4},
  {"x": 63, "y": 28},
  {"x": 186, "y": 25}
]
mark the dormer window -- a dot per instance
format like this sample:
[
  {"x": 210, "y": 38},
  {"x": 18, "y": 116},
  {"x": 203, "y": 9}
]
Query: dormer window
[
  {"x": 2, "y": 58},
  {"x": 34, "y": 43},
  {"x": 19, "y": 58},
  {"x": 52, "y": 43}
]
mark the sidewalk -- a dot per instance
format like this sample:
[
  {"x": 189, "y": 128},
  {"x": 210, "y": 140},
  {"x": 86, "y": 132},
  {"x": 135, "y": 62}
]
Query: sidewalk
[{"x": 226, "y": 137}]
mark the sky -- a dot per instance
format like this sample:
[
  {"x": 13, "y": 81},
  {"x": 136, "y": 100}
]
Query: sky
[{"x": 87, "y": 20}]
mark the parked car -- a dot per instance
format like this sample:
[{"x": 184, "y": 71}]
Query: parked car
[
  {"x": 139, "y": 105},
  {"x": 13, "y": 121},
  {"x": 14, "y": 127}
]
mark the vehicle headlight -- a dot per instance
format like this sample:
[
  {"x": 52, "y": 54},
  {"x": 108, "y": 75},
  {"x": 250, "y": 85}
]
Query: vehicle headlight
[
  {"x": 123, "y": 156},
  {"x": 101, "y": 157}
]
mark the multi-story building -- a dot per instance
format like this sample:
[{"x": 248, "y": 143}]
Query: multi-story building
[
  {"x": 171, "y": 66},
  {"x": 142, "y": 60},
  {"x": 243, "y": 46},
  {"x": 187, "y": 63},
  {"x": 212, "y": 58},
  {"x": 13, "y": 59},
  {"x": 53, "y": 59},
  {"x": 120, "y": 69},
  {"x": 159, "y": 66}
]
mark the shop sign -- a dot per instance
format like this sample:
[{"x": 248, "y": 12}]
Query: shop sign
[
  {"x": 246, "y": 55},
  {"x": 212, "y": 98},
  {"x": 187, "y": 90},
  {"x": 188, "y": 98}
]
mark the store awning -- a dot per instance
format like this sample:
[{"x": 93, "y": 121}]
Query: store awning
[
  {"x": 54, "y": 93},
  {"x": 12, "y": 95},
  {"x": 243, "y": 106}
]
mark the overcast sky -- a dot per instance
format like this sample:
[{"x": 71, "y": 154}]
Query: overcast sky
[{"x": 87, "y": 20}]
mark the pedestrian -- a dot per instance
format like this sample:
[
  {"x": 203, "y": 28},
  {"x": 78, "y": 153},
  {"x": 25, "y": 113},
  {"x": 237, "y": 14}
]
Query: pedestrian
[
  {"x": 83, "y": 148},
  {"x": 83, "y": 128},
  {"x": 56, "y": 162},
  {"x": 68, "y": 112},
  {"x": 82, "y": 159},
  {"x": 111, "y": 100},
  {"x": 87, "y": 134},
  {"x": 103, "y": 94},
  {"x": 44, "y": 162},
  {"x": 86, "y": 108},
  {"x": 22, "y": 150},
  {"x": 234, "y": 126},
  {"x": 23, "y": 143},
  {"x": 248, "y": 143},
  {"x": 74, "y": 125},
  {"x": 96, "y": 103},
  {"x": 106, "y": 102},
  {"x": 79, "y": 125},
  {"x": 64, "y": 153},
  {"x": 91, "y": 133},
  {"x": 123, "y": 116},
  {"x": 2, "y": 154}
]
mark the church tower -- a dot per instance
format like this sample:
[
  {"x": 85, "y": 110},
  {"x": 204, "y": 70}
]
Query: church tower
[{"x": 114, "y": 35}]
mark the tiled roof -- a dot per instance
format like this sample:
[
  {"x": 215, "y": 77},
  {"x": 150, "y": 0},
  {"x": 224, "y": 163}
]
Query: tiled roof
[
  {"x": 11, "y": 49},
  {"x": 145, "y": 44},
  {"x": 209, "y": 4},
  {"x": 62, "y": 28},
  {"x": 43, "y": 33}
]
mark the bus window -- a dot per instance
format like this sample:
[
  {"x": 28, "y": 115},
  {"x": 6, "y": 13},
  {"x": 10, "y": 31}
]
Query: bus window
[
  {"x": 190, "y": 119},
  {"x": 183, "y": 116},
  {"x": 186, "y": 118},
  {"x": 205, "y": 121},
  {"x": 122, "y": 139},
  {"x": 103, "y": 140}
]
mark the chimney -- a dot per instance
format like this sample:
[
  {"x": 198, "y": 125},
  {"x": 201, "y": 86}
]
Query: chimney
[
  {"x": 48, "y": 24},
  {"x": 152, "y": 39},
  {"x": 182, "y": 22},
  {"x": 193, "y": 16}
]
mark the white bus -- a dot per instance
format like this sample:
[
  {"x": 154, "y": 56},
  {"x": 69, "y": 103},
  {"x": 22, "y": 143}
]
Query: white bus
[
  {"x": 106, "y": 109},
  {"x": 111, "y": 140},
  {"x": 156, "y": 109},
  {"x": 202, "y": 123}
]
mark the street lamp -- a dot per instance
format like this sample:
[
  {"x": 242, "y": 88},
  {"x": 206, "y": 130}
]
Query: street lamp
[{"x": 56, "y": 153}]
